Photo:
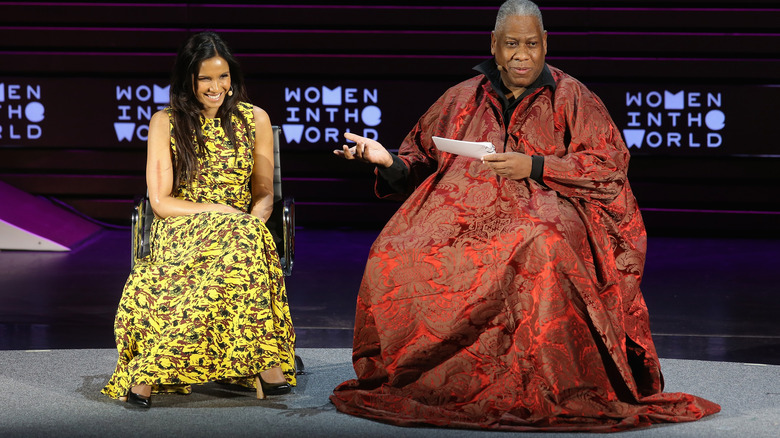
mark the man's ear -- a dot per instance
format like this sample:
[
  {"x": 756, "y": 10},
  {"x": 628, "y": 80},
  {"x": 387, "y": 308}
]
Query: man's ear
[{"x": 493, "y": 43}]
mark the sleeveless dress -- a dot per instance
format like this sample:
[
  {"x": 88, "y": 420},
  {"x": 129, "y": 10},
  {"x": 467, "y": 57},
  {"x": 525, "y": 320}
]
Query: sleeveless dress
[{"x": 209, "y": 302}]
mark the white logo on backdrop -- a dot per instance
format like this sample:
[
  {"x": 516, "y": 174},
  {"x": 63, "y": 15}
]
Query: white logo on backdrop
[
  {"x": 20, "y": 112},
  {"x": 135, "y": 108},
  {"x": 674, "y": 120},
  {"x": 320, "y": 114}
]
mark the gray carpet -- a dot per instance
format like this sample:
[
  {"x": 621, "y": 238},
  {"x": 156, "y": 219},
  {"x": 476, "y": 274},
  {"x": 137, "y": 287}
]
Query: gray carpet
[{"x": 57, "y": 393}]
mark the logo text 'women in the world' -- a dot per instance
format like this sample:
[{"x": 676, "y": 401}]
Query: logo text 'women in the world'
[
  {"x": 135, "y": 106},
  {"x": 20, "y": 112},
  {"x": 674, "y": 120},
  {"x": 321, "y": 114}
]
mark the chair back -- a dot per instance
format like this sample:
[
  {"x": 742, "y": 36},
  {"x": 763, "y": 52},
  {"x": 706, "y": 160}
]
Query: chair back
[
  {"x": 277, "y": 167},
  {"x": 141, "y": 229},
  {"x": 281, "y": 224}
]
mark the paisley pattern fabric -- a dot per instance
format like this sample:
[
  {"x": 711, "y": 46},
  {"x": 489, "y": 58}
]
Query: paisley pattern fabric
[
  {"x": 505, "y": 304},
  {"x": 209, "y": 303}
]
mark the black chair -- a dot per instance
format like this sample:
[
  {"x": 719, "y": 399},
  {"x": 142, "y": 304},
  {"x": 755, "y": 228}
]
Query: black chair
[{"x": 281, "y": 224}]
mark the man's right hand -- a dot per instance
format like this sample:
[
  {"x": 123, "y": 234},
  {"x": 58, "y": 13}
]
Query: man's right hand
[{"x": 365, "y": 150}]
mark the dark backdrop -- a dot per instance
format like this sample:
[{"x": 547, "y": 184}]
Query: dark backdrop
[{"x": 693, "y": 83}]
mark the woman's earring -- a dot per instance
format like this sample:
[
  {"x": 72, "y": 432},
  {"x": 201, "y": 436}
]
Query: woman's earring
[{"x": 230, "y": 92}]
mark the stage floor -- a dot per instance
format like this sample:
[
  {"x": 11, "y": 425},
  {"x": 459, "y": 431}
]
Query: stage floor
[
  {"x": 709, "y": 299},
  {"x": 57, "y": 393},
  {"x": 35, "y": 407}
]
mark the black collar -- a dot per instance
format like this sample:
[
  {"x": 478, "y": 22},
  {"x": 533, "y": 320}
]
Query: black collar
[{"x": 489, "y": 69}]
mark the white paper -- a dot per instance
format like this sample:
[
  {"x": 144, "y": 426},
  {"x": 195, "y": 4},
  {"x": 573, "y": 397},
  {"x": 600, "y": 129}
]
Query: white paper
[{"x": 473, "y": 149}]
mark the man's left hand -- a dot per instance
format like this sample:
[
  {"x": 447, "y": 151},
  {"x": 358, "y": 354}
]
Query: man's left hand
[{"x": 512, "y": 165}]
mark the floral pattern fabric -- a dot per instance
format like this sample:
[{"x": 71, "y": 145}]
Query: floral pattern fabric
[
  {"x": 509, "y": 304},
  {"x": 209, "y": 303}
]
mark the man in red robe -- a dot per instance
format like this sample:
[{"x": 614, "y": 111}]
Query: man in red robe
[{"x": 504, "y": 293}]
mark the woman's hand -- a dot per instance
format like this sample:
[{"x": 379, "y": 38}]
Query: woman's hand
[
  {"x": 365, "y": 150},
  {"x": 221, "y": 208},
  {"x": 512, "y": 165}
]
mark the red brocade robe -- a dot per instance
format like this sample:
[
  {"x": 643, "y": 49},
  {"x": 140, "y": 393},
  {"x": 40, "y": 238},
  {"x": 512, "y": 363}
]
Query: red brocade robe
[{"x": 509, "y": 304}]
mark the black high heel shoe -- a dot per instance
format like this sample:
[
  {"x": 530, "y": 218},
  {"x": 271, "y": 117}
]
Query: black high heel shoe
[
  {"x": 264, "y": 388},
  {"x": 138, "y": 401}
]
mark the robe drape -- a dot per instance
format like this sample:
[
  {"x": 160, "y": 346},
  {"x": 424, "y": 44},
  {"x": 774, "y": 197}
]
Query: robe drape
[{"x": 512, "y": 304}]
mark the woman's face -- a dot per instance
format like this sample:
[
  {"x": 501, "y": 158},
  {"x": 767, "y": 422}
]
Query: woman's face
[{"x": 212, "y": 84}]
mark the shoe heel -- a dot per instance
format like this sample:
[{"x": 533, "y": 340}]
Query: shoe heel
[{"x": 259, "y": 385}]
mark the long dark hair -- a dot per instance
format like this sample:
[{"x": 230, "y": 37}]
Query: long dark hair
[{"x": 187, "y": 110}]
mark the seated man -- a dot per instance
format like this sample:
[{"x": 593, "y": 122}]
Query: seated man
[{"x": 504, "y": 293}]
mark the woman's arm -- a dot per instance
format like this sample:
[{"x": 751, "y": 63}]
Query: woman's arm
[
  {"x": 263, "y": 169},
  {"x": 159, "y": 174}
]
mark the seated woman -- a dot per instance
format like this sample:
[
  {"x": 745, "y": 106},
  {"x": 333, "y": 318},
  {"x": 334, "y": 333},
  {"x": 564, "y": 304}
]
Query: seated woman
[{"x": 209, "y": 303}]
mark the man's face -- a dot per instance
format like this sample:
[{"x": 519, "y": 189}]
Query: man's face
[{"x": 519, "y": 47}]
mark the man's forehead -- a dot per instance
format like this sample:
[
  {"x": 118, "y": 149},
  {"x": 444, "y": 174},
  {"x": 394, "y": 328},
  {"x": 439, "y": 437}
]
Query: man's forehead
[
  {"x": 520, "y": 25},
  {"x": 529, "y": 22}
]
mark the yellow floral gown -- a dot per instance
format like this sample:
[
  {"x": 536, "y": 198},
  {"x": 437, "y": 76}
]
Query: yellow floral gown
[{"x": 209, "y": 302}]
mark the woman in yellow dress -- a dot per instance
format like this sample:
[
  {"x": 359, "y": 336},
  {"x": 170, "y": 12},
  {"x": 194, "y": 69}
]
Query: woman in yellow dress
[{"x": 209, "y": 302}]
